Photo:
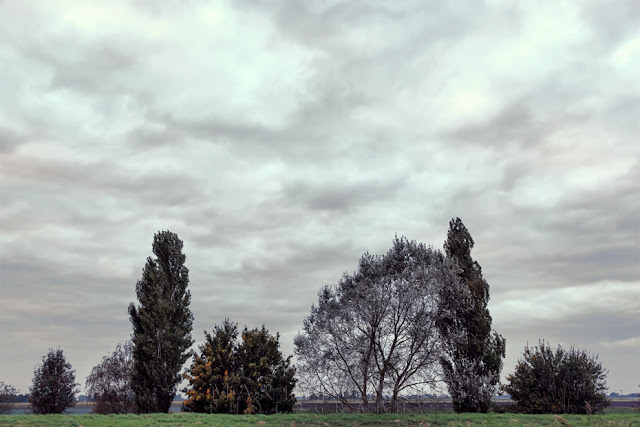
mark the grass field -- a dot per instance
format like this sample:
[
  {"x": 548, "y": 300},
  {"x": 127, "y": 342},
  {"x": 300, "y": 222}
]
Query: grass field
[{"x": 620, "y": 417}]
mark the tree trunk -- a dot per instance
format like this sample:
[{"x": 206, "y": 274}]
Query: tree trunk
[
  {"x": 394, "y": 399},
  {"x": 379, "y": 395}
]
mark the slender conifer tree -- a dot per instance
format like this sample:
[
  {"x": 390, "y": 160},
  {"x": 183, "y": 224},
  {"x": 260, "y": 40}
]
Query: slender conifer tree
[
  {"x": 474, "y": 353},
  {"x": 162, "y": 324}
]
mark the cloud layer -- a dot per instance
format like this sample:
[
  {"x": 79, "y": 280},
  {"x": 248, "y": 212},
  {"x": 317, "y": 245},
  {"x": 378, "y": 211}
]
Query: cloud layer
[{"x": 281, "y": 140}]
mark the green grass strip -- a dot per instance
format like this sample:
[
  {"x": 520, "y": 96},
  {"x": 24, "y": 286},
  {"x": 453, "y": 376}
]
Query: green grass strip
[{"x": 619, "y": 417}]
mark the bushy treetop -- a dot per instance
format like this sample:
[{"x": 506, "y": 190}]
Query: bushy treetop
[
  {"x": 54, "y": 386},
  {"x": 231, "y": 376},
  {"x": 558, "y": 381}
]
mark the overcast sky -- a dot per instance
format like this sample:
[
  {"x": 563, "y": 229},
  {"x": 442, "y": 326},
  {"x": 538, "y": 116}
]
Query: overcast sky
[{"x": 281, "y": 140}]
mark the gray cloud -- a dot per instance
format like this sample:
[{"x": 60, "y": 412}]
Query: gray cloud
[
  {"x": 9, "y": 140},
  {"x": 612, "y": 24},
  {"x": 282, "y": 140},
  {"x": 339, "y": 196}
]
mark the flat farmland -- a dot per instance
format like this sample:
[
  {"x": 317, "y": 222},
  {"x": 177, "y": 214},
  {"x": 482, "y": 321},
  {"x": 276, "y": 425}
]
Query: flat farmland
[{"x": 615, "y": 417}]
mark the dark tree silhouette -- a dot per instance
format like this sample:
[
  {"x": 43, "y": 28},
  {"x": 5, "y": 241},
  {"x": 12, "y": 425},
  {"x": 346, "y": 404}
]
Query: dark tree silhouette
[
  {"x": 473, "y": 358},
  {"x": 213, "y": 383},
  {"x": 162, "y": 325},
  {"x": 247, "y": 376},
  {"x": 267, "y": 377},
  {"x": 560, "y": 381},
  {"x": 54, "y": 385}
]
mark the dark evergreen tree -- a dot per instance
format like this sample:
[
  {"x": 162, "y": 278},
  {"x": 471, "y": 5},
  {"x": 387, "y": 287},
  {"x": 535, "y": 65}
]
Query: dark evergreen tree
[
  {"x": 474, "y": 353},
  {"x": 213, "y": 384},
  {"x": 54, "y": 385},
  {"x": 162, "y": 325},
  {"x": 267, "y": 377},
  {"x": 247, "y": 377}
]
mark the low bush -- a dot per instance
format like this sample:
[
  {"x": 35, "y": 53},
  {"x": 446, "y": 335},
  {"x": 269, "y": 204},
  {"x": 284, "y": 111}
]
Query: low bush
[
  {"x": 557, "y": 382},
  {"x": 8, "y": 397}
]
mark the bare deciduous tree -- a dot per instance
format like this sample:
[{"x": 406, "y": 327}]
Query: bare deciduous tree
[
  {"x": 8, "y": 397},
  {"x": 109, "y": 382},
  {"x": 376, "y": 330}
]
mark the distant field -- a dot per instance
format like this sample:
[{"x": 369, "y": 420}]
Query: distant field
[
  {"x": 319, "y": 406},
  {"x": 616, "y": 417}
]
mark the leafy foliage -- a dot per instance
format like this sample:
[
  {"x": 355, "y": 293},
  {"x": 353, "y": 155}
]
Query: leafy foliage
[
  {"x": 560, "y": 381},
  {"x": 376, "y": 331},
  {"x": 54, "y": 385},
  {"x": 266, "y": 377},
  {"x": 212, "y": 383},
  {"x": 8, "y": 397},
  {"x": 162, "y": 325},
  {"x": 109, "y": 382},
  {"x": 473, "y": 360},
  {"x": 246, "y": 377}
]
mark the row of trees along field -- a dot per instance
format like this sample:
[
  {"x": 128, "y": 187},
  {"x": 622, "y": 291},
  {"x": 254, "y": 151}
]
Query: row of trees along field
[{"x": 401, "y": 324}]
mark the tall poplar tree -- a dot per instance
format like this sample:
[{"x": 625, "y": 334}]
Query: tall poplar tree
[
  {"x": 474, "y": 353},
  {"x": 162, "y": 325}
]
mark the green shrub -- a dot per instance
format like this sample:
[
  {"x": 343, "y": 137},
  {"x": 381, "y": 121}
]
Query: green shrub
[
  {"x": 54, "y": 385},
  {"x": 561, "y": 381}
]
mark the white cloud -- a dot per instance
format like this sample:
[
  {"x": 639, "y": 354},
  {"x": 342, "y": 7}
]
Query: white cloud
[
  {"x": 627, "y": 54},
  {"x": 633, "y": 342},
  {"x": 560, "y": 304}
]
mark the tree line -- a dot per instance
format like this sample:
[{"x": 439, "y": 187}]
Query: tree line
[{"x": 405, "y": 322}]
